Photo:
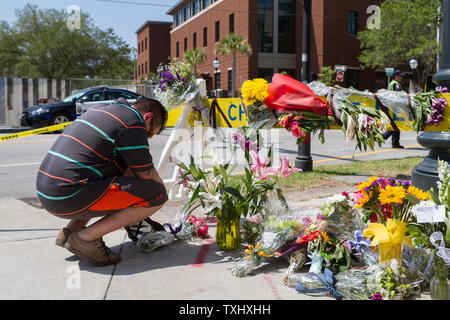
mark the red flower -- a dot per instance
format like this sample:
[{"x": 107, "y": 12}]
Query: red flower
[{"x": 309, "y": 237}]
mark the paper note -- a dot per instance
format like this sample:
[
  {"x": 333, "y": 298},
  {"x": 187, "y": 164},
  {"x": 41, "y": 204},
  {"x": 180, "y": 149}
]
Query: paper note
[{"x": 431, "y": 214}]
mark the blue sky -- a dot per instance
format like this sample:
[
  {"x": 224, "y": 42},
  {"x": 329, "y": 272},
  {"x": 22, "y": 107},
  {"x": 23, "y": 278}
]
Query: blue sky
[{"x": 124, "y": 16}]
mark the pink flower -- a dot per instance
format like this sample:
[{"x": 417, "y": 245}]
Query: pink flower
[
  {"x": 285, "y": 170},
  {"x": 377, "y": 296},
  {"x": 180, "y": 180},
  {"x": 442, "y": 89},
  {"x": 260, "y": 168},
  {"x": 297, "y": 131}
]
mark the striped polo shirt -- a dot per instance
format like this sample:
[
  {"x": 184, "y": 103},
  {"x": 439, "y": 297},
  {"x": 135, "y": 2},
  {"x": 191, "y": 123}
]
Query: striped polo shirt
[{"x": 101, "y": 143}]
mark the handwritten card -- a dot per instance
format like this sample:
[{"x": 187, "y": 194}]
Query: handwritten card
[{"x": 431, "y": 214}]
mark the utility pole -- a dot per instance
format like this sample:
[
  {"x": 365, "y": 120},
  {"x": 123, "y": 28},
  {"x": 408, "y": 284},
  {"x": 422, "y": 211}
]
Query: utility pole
[{"x": 304, "y": 160}]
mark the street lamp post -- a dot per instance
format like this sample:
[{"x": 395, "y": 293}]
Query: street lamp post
[
  {"x": 425, "y": 174},
  {"x": 304, "y": 160},
  {"x": 216, "y": 65}
]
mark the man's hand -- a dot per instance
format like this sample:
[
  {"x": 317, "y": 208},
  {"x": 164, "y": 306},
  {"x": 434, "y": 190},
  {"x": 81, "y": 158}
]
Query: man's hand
[{"x": 150, "y": 174}]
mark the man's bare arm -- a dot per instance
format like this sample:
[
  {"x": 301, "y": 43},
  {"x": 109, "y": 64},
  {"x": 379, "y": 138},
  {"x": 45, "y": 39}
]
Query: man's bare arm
[{"x": 150, "y": 174}]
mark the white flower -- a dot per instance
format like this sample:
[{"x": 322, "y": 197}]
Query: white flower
[
  {"x": 337, "y": 198},
  {"x": 350, "y": 129}
]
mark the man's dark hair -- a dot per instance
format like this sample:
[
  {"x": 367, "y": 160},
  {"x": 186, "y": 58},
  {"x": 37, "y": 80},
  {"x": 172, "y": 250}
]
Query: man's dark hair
[{"x": 160, "y": 114}]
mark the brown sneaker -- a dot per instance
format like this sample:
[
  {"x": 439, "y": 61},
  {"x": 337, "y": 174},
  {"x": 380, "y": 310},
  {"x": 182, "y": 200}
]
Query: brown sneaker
[
  {"x": 62, "y": 237},
  {"x": 96, "y": 252}
]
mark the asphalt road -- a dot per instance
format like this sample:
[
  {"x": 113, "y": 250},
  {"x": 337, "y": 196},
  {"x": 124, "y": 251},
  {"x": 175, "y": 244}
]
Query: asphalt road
[{"x": 20, "y": 158}]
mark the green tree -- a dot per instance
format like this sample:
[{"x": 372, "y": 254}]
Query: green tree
[
  {"x": 407, "y": 30},
  {"x": 195, "y": 57},
  {"x": 327, "y": 76},
  {"x": 233, "y": 44},
  {"x": 41, "y": 45}
]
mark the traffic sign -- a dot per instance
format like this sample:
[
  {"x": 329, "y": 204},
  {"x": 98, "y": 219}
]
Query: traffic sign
[
  {"x": 389, "y": 71},
  {"x": 340, "y": 68},
  {"x": 340, "y": 76}
]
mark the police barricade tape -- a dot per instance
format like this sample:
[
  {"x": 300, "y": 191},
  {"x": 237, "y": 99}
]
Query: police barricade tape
[{"x": 55, "y": 127}]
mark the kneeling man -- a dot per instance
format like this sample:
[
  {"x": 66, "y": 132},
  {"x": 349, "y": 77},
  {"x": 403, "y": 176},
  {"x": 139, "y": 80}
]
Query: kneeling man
[{"x": 100, "y": 166}]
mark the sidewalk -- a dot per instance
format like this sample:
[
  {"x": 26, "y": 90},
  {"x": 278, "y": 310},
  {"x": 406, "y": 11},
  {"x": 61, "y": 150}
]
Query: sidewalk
[{"x": 33, "y": 267}]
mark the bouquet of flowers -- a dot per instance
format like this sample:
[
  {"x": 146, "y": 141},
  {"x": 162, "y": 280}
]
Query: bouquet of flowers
[
  {"x": 375, "y": 282},
  {"x": 387, "y": 203},
  {"x": 430, "y": 229},
  {"x": 430, "y": 108},
  {"x": 382, "y": 199},
  {"x": 301, "y": 125},
  {"x": 277, "y": 232},
  {"x": 253, "y": 93},
  {"x": 363, "y": 124},
  {"x": 178, "y": 86},
  {"x": 343, "y": 218}
]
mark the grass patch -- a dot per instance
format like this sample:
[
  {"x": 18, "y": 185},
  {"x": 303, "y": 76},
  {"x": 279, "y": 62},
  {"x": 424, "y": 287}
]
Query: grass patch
[{"x": 323, "y": 175}]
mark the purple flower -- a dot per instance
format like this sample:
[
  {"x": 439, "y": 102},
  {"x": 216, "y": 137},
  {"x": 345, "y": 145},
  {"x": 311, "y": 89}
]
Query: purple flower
[
  {"x": 443, "y": 101},
  {"x": 377, "y": 296},
  {"x": 178, "y": 76},
  {"x": 184, "y": 81},
  {"x": 442, "y": 89},
  {"x": 320, "y": 217}
]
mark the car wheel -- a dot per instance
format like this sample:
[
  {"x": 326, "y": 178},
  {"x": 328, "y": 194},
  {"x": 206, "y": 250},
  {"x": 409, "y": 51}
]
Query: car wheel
[{"x": 59, "y": 119}]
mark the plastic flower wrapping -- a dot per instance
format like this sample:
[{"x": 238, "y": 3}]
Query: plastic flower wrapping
[
  {"x": 178, "y": 87},
  {"x": 183, "y": 227},
  {"x": 309, "y": 109}
]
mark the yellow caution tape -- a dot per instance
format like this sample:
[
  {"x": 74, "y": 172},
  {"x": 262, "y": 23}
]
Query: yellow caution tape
[{"x": 55, "y": 127}]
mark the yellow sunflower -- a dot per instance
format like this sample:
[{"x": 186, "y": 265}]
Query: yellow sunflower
[
  {"x": 392, "y": 195},
  {"x": 367, "y": 184},
  {"x": 418, "y": 193},
  {"x": 365, "y": 197}
]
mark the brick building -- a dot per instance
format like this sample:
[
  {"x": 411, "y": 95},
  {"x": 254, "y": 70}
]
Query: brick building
[
  {"x": 273, "y": 28},
  {"x": 153, "y": 47}
]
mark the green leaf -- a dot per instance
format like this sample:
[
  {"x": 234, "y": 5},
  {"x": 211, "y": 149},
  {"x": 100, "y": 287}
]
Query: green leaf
[
  {"x": 234, "y": 192},
  {"x": 434, "y": 197}
]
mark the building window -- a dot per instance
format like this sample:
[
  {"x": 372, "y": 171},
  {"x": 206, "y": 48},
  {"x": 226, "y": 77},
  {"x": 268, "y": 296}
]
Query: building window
[
  {"x": 352, "y": 23},
  {"x": 145, "y": 43},
  {"x": 178, "y": 18},
  {"x": 146, "y": 67},
  {"x": 139, "y": 70},
  {"x": 142, "y": 45},
  {"x": 286, "y": 26},
  {"x": 265, "y": 25},
  {"x": 205, "y": 4},
  {"x": 178, "y": 49},
  {"x": 231, "y": 22},
  {"x": 186, "y": 13},
  {"x": 194, "y": 40},
  {"x": 217, "y": 31},
  {"x": 139, "y": 47},
  {"x": 205, "y": 37},
  {"x": 217, "y": 80},
  {"x": 195, "y": 7},
  {"x": 185, "y": 44},
  {"x": 230, "y": 80},
  {"x": 265, "y": 73}
]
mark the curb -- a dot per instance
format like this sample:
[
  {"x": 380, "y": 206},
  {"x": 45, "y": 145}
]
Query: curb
[{"x": 14, "y": 129}]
